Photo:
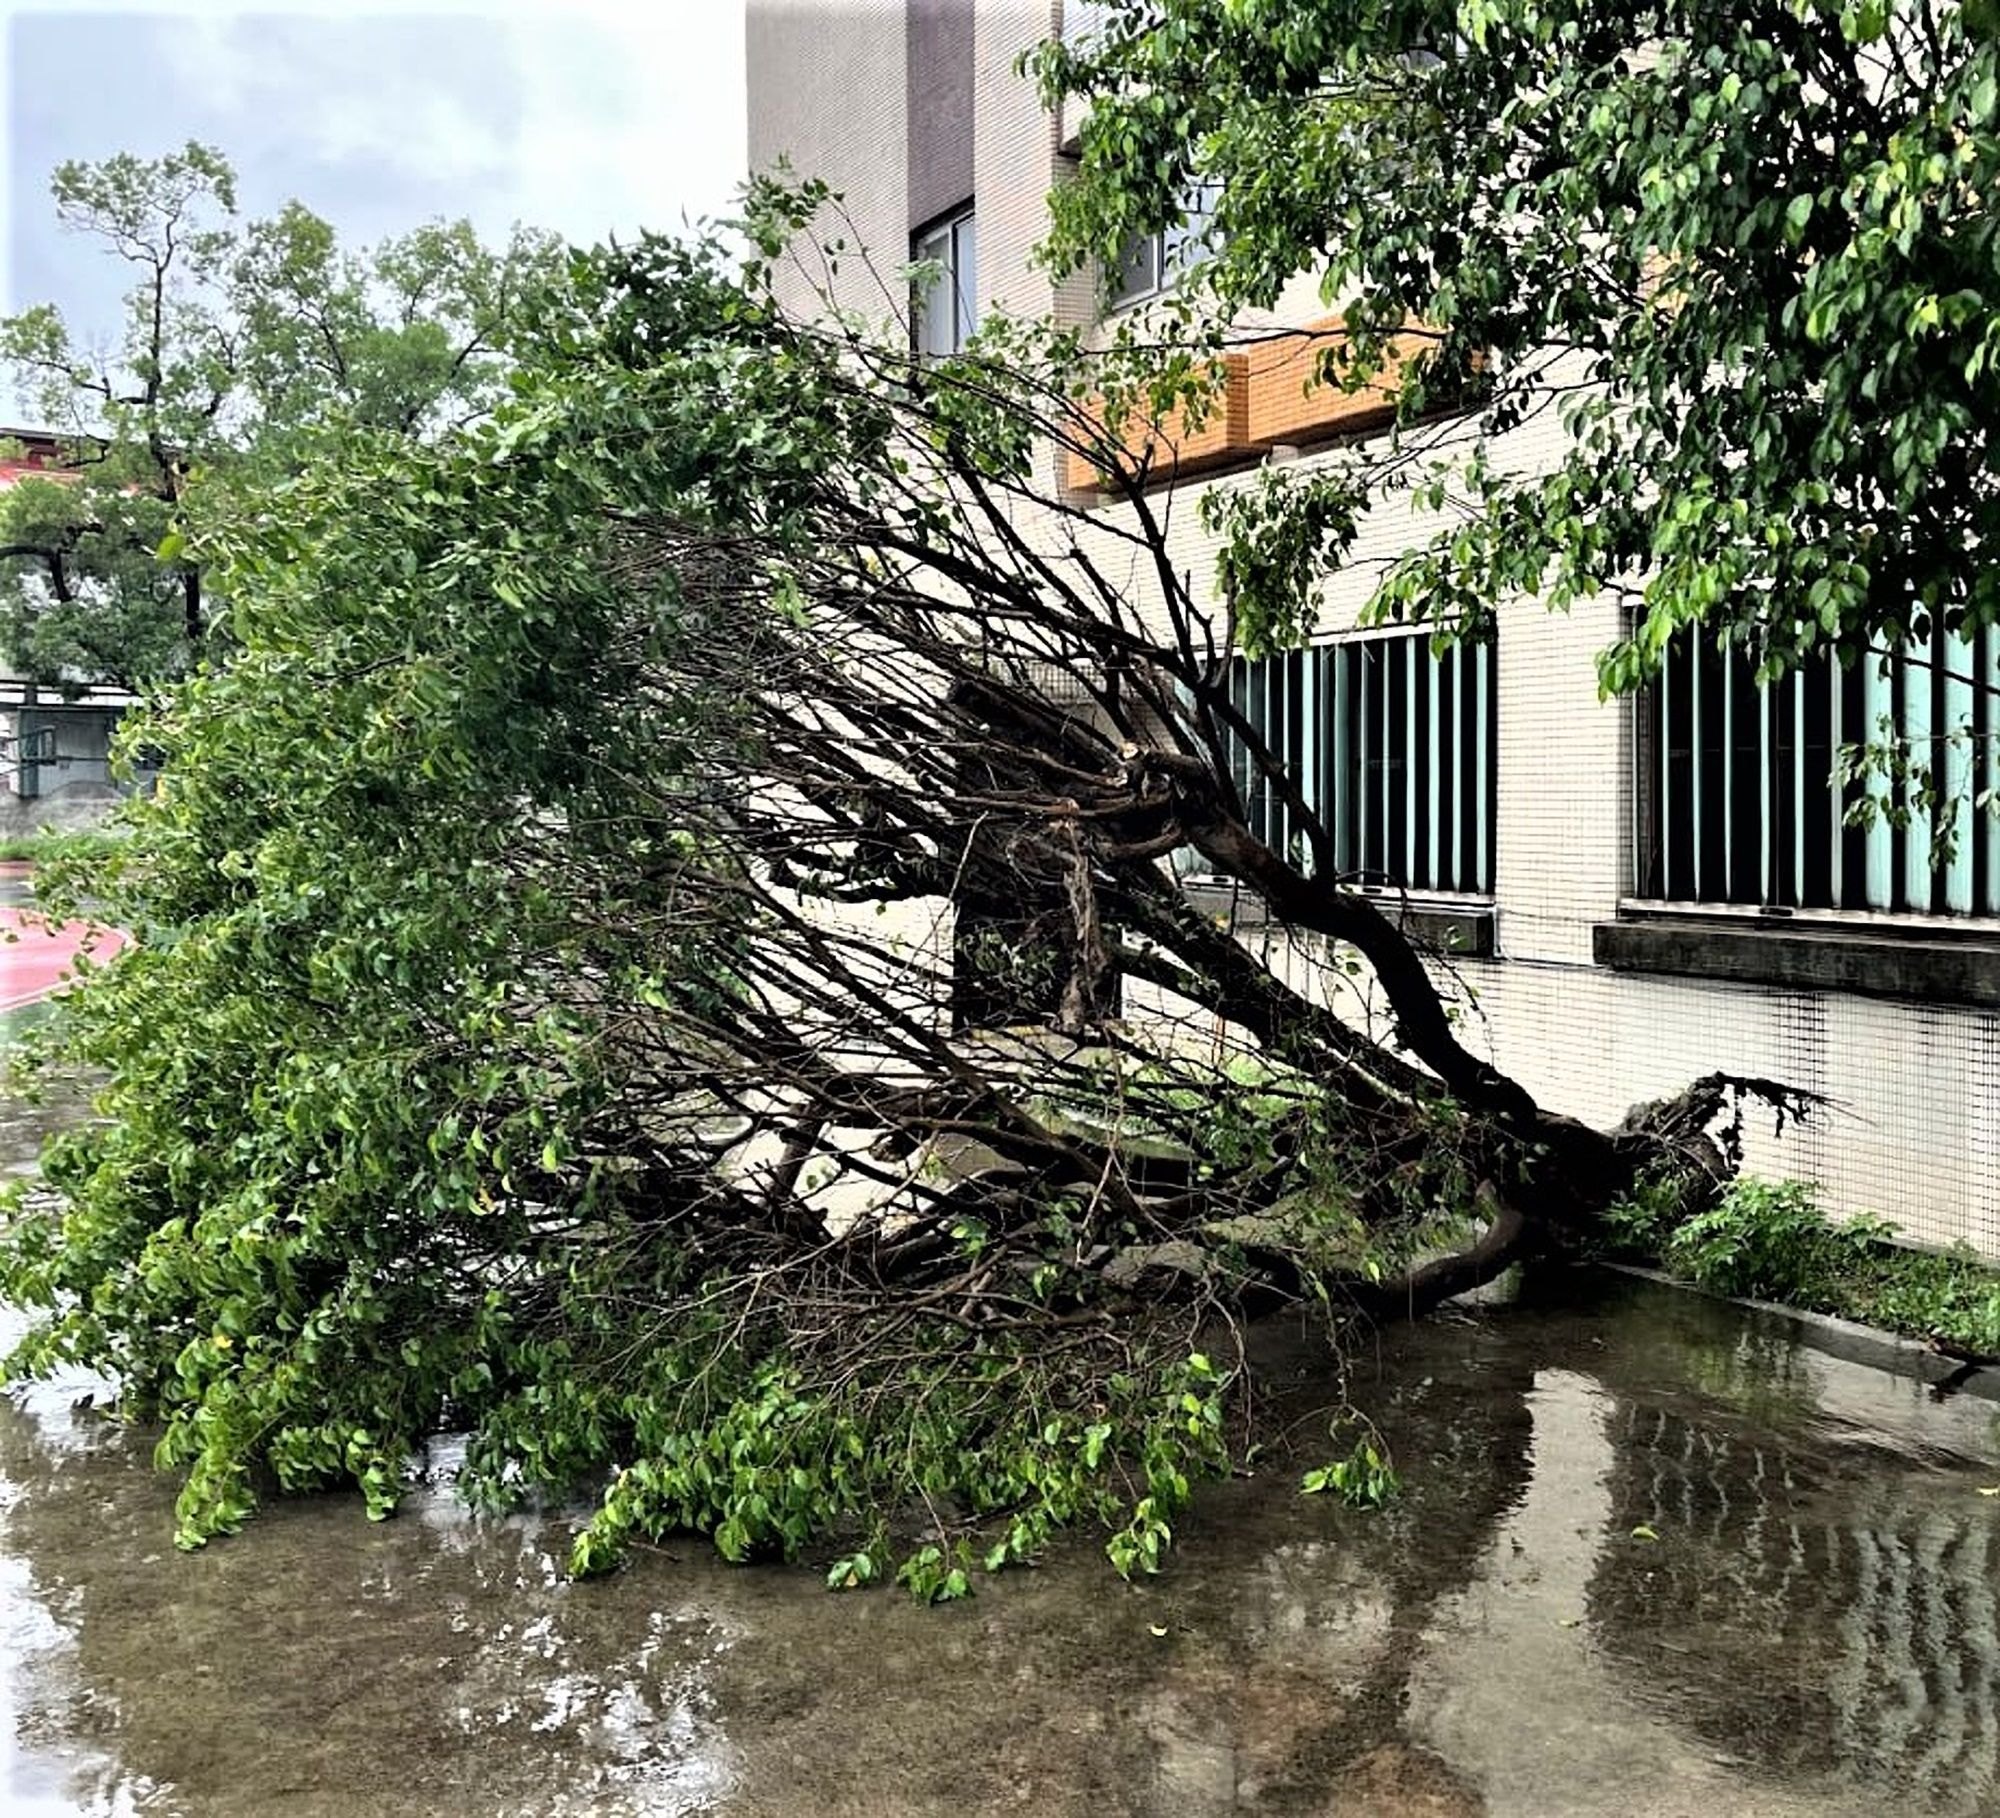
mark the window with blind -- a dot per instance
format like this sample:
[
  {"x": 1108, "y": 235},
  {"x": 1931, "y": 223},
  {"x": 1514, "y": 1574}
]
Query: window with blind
[
  {"x": 1741, "y": 792},
  {"x": 1390, "y": 744}
]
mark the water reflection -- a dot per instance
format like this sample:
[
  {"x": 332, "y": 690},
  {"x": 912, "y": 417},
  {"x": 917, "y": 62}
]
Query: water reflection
[
  {"x": 436, "y": 1664},
  {"x": 1862, "y": 1606}
]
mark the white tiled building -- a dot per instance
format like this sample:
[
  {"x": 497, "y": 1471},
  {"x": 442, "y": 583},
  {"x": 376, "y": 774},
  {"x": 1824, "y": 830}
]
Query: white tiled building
[{"x": 1664, "y": 886}]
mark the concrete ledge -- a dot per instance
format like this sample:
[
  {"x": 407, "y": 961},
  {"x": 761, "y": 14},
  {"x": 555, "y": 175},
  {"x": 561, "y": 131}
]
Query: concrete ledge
[
  {"x": 1845, "y": 1339},
  {"x": 1457, "y": 932},
  {"x": 1871, "y": 964}
]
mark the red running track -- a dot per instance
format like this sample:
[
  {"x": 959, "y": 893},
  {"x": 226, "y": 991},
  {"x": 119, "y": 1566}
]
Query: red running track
[{"x": 37, "y": 955}]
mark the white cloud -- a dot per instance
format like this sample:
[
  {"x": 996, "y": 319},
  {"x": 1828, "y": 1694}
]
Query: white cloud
[
  {"x": 615, "y": 113},
  {"x": 208, "y": 47},
  {"x": 634, "y": 114}
]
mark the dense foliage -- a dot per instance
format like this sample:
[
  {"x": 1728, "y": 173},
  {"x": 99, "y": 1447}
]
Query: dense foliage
[
  {"x": 1746, "y": 253},
  {"x": 446, "y": 983},
  {"x": 243, "y": 347},
  {"x": 628, "y": 968}
]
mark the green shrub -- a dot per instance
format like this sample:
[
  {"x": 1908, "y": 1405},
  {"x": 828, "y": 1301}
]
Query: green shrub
[
  {"x": 1638, "y": 1225},
  {"x": 1767, "y": 1240}
]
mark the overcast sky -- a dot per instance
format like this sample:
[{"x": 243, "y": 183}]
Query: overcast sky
[{"x": 582, "y": 116}]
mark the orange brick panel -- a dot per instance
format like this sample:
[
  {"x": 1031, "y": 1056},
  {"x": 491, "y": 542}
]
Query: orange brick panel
[
  {"x": 1080, "y": 473},
  {"x": 1287, "y": 404},
  {"x": 1224, "y": 434}
]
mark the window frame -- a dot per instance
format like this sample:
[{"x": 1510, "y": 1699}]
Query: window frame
[
  {"x": 1170, "y": 251},
  {"x": 955, "y": 234}
]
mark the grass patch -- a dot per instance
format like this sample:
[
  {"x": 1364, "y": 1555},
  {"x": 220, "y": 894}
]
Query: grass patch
[
  {"x": 38, "y": 848},
  {"x": 1769, "y": 1240}
]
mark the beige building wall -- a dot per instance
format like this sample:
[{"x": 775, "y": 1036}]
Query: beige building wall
[
  {"x": 1014, "y": 154},
  {"x": 1913, "y": 1132},
  {"x": 827, "y": 84}
]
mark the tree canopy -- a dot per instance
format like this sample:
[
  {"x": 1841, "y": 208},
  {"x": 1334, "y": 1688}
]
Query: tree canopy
[
  {"x": 242, "y": 344},
  {"x": 1747, "y": 253}
]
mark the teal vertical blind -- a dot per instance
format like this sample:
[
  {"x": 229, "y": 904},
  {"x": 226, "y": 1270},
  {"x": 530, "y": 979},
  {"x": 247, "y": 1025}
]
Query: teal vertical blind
[
  {"x": 1390, "y": 744},
  {"x": 1741, "y": 797}
]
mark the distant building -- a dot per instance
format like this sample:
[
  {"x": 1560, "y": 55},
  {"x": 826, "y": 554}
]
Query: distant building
[
  {"x": 55, "y": 743},
  {"x": 31, "y": 452},
  {"x": 1637, "y": 891}
]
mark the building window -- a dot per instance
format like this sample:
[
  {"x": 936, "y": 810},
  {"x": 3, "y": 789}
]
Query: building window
[
  {"x": 1084, "y": 22},
  {"x": 1150, "y": 263},
  {"x": 1743, "y": 798},
  {"x": 947, "y": 301},
  {"x": 1390, "y": 744}
]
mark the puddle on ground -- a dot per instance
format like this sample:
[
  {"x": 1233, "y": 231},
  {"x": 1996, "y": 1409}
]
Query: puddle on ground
[{"x": 1812, "y": 1631}]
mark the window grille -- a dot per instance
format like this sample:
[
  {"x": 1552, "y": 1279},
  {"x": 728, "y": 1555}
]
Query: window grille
[
  {"x": 1741, "y": 793},
  {"x": 1390, "y": 744}
]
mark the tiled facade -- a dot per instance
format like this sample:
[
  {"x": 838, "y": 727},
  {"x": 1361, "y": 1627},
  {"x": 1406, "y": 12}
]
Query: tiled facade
[{"x": 1914, "y": 1132}]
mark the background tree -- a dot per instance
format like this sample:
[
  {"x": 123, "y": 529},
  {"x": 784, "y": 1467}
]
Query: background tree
[
  {"x": 1747, "y": 252},
  {"x": 241, "y": 345},
  {"x": 543, "y": 1018}
]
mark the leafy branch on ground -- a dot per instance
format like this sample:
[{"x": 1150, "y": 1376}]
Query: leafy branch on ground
[{"x": 659, "y": 952}]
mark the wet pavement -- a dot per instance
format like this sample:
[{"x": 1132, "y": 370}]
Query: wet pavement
[
  {"x": 36, "y": 955},
  {"x": 1651, "y": 1559}
]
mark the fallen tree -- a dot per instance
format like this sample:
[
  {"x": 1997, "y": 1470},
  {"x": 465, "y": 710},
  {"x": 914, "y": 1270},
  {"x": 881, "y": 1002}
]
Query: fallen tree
[{"x": 661, "y": 951}]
